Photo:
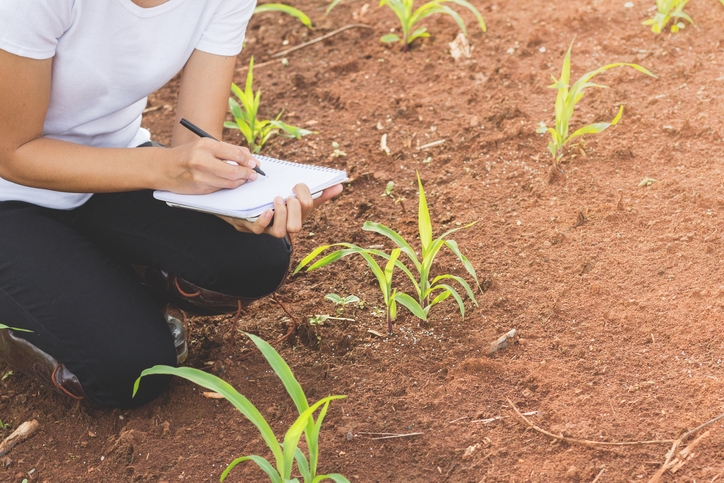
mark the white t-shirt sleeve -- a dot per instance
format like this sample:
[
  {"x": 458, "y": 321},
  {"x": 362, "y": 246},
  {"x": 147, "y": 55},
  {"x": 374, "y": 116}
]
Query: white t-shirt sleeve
[
  {"x": 225, "y": 33},
  {"x": 31, "y": 28}
]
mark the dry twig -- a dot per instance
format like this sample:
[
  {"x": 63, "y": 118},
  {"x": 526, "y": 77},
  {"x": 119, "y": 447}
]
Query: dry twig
[
  {"x": 23, "y": 432},
  {"x": 598, "y": 476},
  {"x": 319, "y": 39},
  {"x": 585, "y": 441}
]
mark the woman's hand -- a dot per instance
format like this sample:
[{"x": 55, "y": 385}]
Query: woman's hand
[
  {"x": 288, "y": 215},
  {"x": 207, "y": 165}
]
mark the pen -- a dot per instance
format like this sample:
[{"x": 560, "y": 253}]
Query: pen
[{"x": 201, "y": 133}]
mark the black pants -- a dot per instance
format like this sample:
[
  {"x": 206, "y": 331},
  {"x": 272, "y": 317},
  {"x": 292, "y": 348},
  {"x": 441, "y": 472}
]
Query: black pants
[{"x": 65, "y": 275}]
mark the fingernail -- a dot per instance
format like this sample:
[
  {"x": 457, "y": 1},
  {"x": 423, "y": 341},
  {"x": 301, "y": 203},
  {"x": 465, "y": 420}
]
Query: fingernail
[
  {"x": 278, "y": 199},
  {"x": 253, "y": 176}
]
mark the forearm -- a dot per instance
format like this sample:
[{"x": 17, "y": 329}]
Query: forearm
[{"x": 64, "y": 166}]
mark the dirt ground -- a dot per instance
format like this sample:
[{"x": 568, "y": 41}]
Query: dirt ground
[{"x": 615, "y": 288}]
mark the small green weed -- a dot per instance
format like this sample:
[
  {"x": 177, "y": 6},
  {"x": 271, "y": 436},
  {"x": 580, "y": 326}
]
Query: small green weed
[
  {"x": 280, "y": 7},
  {"x": 4, "y": 426},
  {"x": 667, "y": 10},
  {"x": 567, "y": 98},
  {"x": 388, "y": 189},
  {"x": 341, "y": 302},
  {"x": 257, "y": 132},
  {"x": 289, "y": 451}
]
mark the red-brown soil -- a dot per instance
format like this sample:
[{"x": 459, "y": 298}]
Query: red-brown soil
[{"x": 615, "y": 289}]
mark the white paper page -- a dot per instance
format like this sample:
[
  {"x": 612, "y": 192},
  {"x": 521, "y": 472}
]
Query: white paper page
[{"x": 253, "y": 197}]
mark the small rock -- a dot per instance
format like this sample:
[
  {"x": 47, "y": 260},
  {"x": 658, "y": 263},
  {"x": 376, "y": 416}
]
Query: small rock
[
  {"x": 474, "y": 121},
  {"x": 572, "y": 473}
]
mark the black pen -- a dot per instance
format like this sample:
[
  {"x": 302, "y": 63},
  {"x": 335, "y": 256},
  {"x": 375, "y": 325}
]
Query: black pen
[{"x": 201, "y": 133}]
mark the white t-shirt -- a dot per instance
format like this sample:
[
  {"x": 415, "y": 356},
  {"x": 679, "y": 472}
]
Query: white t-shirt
[{"x": 108, "y": 56}]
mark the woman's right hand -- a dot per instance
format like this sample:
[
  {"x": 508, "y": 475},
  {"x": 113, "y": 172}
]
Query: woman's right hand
[{"x": 207, "y": 165}]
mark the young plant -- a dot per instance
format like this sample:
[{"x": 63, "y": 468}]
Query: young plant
[
  {"x": 408, "y": 19},
  {"x": 257, "y": 132},
  {"x": 429, "y": 291},
  {"x": 4, "y": 426},
  {"x": 280, "y": 7},
  {"x": 286, "y": 453},
  {"x": 384, "y": 276},
  {"x": 665, "y": 11},
  {"x": 341, "y": 302},
  {"x": 567, "y": 98}
]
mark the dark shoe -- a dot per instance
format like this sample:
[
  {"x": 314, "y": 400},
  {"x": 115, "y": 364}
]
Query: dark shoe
[
  {"x": 24, "y": 356},
  {"x": 179, "y": 334},
  {"x": 186, "y": 295}
]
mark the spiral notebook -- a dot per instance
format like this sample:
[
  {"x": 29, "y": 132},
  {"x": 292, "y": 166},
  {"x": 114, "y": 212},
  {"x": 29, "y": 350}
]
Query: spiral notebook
[{"x": 254, "y": 197}]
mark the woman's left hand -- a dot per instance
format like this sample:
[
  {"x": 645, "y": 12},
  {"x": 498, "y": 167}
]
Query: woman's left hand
[{"x": 288, "y": 215}]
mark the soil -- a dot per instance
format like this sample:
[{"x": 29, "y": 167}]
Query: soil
[{"x": 613, "y": 284}]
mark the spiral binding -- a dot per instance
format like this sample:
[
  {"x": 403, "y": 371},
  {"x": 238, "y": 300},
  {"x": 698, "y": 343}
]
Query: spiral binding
[{"x": 310, "y": 167}]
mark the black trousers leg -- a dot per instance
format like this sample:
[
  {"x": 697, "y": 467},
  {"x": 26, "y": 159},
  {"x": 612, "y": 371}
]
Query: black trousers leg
[{"x": 63, "y": 275}]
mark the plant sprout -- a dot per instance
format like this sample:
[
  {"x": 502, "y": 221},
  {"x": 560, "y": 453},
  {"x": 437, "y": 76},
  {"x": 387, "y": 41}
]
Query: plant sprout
[
  {"x": 667, "y": 10},
  {"x": 257, "y": 132},
  {"x": 567, "y": 98},
  {"x": 429, "y": 291},
  {"x": 280, "y": 7},
  {"x": 286, "y": 453},
  {"x": 341, "y": 302},
  {"x": 408, "y": 19}
]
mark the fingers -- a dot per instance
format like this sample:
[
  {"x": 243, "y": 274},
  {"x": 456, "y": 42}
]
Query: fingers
[
  {"x": 328, "y": 194},
  {"x": 304, "y": 197},
  {"x": 288, "y": 215}
]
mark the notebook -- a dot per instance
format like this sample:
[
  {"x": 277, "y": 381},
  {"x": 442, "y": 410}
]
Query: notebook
[{"x": 254, "y": 197}]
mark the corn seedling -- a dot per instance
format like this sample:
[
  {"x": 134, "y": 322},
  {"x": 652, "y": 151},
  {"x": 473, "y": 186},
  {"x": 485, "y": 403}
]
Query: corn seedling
[
  {"x": 257, "y": 132},
  {"x": 286, "y": 453},
  {"x": 280, "y": 7},
  {"x": 567, "y": 98},
  {"x": 4, "y": 426},
  {"x": 390, "y": 294},
  {"x": 665, "y": 11},
  {"x": 429, "y": 291},
  {"x": 408, "y": 19}
]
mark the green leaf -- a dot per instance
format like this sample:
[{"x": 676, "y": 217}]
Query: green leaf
[
  {"x": 216, "y": 384},
  {"x": 3, "y": 326},
  {"x": 459, "y": 280},
  {"x": 395, "y": 237},
  {"x": 302, "y": 465},
  {"x": 390, "y": 267},
  {"x": 280, "y": 7},
  {"x": 476, "y": 12},
  {"x": 335, "y": 3},
  {"x": 292, "y": 131},
  {"x": 389, "y": 38},
  {"x": 310, "y": 257},
  {"x": 423, "y": 220},
  {"x": 334, "y": 298},
  {"x": 457, "y": 298},
  {"x": 421, "y": 32},
  {"x": 282, "y": 370},
  {"x": 337, "y": 478},
  {"x": 410, "y": 304},
  {"x": 261, "y": 462}
]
